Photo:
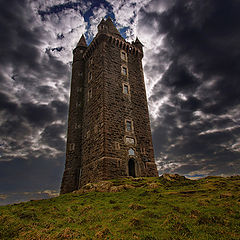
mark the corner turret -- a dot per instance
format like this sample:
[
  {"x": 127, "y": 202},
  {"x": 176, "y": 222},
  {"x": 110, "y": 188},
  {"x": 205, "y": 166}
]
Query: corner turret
[
  {"x": 82, "y": 42},
  {"x": 80, "y": 49},
  {"x": 102, "y": 27},
  {"x": 138, "y": 44},
  {"x": 107, "y": 26}
]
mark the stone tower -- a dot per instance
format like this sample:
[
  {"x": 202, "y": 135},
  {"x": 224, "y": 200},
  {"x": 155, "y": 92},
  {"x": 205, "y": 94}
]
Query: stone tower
[{"x": 109, "y": 133}]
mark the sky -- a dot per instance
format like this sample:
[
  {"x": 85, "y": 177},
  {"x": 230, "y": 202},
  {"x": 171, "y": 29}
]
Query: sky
[{"x": 191, "y": 67}]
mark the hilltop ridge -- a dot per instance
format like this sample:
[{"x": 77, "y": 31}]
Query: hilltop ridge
[{"x": 167, "y": 207}]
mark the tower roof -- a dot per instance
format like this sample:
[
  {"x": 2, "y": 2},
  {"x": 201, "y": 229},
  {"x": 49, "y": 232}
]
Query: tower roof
[
  {"x": 82, "y": 42},
  {"x": 137, "y": 42},
  {"x": 111, "y": 27},
  {"x": 102, "y": 21}
]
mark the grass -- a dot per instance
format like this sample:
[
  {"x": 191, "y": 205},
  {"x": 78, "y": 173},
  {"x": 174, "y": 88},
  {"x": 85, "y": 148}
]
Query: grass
[{"x": 146, "y": 209}]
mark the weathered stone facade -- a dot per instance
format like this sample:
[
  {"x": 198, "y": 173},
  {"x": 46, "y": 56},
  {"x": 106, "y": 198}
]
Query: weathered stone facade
[{"x": 109, "y": 133}]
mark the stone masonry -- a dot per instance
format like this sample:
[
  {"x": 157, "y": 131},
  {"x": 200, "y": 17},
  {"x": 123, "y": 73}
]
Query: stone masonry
[{"x": 109, "y": 133}]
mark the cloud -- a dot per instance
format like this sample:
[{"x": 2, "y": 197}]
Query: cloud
[
  {"x": 98, "y": 14},
  {"x": 18, "y": 197},
  {"x": 126, "y": 15},
  {"x": 35, "y": 75},
  {"x": 193, "y": 78}
]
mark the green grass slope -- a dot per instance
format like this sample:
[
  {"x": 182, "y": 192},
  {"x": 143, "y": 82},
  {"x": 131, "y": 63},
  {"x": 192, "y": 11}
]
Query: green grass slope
[{"x": 141, "y": 208}]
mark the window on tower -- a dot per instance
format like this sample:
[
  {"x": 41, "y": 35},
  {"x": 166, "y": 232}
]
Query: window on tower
[
  {"x": 90, "y": 61},
  {"x": 123, "y": 55},
  {"x": 89, "y": 94},
  {"x": 124, "y": 70},
  {"x": 71, "y": 146},
  {"x": 117, "y": 145},
  {"x": 79, "y": 89},
  {"x": 129, "y": 125},
  {"x": 126, "y": 88},
  {"x": 119, "y": 163},
  {"x": 129, "y": 140},
  {"x": 102, "y": 27}
]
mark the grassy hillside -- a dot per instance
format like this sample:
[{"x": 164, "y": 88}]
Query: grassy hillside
[{"x": 169, "y": 207}]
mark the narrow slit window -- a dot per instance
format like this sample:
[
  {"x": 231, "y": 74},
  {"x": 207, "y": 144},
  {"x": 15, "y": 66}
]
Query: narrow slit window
[
  {"x": 90, "y": 61},
  {"x": 89, "y": 94},
  {"x": 71, "y": 146},
  {"x": 117, "y": 146}
]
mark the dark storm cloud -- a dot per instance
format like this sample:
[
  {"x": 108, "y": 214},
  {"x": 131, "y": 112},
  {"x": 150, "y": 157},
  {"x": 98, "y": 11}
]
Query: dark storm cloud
[
  {"x": 6, "y": 104},
  {"x": 60, "y": 109},
  {"x": 201, "y": 84},
  {"x": 34, "y": 86},
  {"x": 37, "y": 114},
  {"x": 18, "y": 44},
  {"x": 51, "y": 136}
]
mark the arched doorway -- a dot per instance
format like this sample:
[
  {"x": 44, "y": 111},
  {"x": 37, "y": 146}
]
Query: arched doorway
[{"x": 131, "y": 167}]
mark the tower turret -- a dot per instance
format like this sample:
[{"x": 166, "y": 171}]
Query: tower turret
[
  {"x": 82, "y": 42},
  {"x": 112, "y": 29},
  {"x": 138, "y": 44},
  {"x": 80, "y": 49},
  {"x": 102, "y": 26}
]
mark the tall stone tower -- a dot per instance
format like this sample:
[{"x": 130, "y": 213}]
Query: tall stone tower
[{"x": 109, "y": 133}]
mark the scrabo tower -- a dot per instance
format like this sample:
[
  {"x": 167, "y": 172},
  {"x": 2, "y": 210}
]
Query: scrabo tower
[{"x": 109, "y": 132}]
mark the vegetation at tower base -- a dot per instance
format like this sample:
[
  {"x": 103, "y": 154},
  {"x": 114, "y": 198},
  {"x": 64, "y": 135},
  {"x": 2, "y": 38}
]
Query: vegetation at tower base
[{"x": 168, "y": 207}]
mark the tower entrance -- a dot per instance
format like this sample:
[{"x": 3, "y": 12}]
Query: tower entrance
[{"x": 131, "y": 167}]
